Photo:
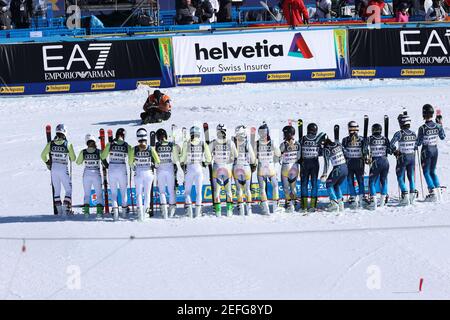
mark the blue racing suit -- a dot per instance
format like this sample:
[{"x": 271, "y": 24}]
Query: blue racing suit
[
  {"x": 406, "y": 159},
  {"x": 334, "y": 153},
  {"x": 379, "y": 169},
  {"x": 353, "y": 151}
]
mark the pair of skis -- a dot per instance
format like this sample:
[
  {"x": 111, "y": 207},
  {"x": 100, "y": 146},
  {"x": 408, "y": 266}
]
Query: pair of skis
[{"x": 104, "y": 169}]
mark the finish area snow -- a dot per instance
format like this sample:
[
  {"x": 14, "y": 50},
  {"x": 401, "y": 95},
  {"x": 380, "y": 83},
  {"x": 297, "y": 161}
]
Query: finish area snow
[{"x": 359, "y": 255}]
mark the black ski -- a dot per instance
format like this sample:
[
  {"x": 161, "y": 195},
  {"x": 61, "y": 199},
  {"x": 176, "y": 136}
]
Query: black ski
[
  {"x": 336, "y": 133},
  {"x": 105, "y": 173},
  {"x": 152, "y": 201},
  {"x": 365, "y": 133},
  {"x": 48, "y": 133},
  {"x": 386, "y": 126},
  {"x": 210, "y": 168},
  {"x": 300, "y": 129}
]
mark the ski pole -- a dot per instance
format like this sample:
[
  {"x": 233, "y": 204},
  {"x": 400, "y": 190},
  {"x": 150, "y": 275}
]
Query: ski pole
[
  {"x": 131, "y": 192},
  {"x": 420, "y": 174}
]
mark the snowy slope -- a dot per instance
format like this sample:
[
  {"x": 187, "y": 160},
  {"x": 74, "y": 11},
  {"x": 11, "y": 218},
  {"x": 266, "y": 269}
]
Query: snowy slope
[{"x": 274, "y": 257}]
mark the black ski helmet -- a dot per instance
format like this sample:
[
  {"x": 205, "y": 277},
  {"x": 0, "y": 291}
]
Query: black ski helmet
[
  {"x": 120, "y": 133},
  {"x": 264, "y": 127},
  {"x": 161, "y": 134},
  {"x": 312, "y": 129},
  {"x": 376, "y": 129},
  {"x": 353, "y": 127},
  {"x": 427, "y": 111},
  {"x": 288, "y": 132}
]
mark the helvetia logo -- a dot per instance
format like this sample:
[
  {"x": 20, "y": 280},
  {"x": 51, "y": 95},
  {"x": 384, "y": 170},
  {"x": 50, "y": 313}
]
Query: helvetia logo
[
  {"x": 59, "y": 67},
  {"x": 259, "y": 49},
  {"x": 299, "y": 48}
]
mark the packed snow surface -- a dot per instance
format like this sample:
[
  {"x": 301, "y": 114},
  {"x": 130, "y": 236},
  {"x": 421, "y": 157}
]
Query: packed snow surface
[{"x": 358, "y": 255}]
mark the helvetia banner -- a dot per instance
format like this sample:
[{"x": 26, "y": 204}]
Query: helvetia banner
[
  {"x": 260, "y": 57},
  {"x": 85, "y": 65},
  {"x": 400, "y": 52}
]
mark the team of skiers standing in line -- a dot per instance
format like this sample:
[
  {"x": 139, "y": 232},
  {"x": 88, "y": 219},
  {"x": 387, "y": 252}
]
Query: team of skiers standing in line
[{"x": 238, "y": 157}]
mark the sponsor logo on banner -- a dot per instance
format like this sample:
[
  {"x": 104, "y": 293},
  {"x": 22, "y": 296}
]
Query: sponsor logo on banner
[
  {"x": 165, "y": 53},
  {"x": 299, "y": 48},
  {"x": 57, "y": 88},
  {"x": 150, "y": 83},
  {"x": 190, "y": 80},
  {"x": 273, "y": 52},
  {"x": 11, "y": 90},
  {"x": 412, "y": 72},
  {"x": 103, "y": 86},
  {"x": 239, "y": 78},
  {"x": 60, "y": 67},
  {"x": 323, "y": 74},
  {"x": 278, "y": 76},
  {"x": 418, "y": 47},
  {"x": 364, "y": 73}
]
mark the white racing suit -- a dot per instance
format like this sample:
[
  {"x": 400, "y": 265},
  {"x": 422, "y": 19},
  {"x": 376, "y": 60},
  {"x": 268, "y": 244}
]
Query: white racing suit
[
  {"x": 194, "y": 155},
  {"x": 117, "y": 172},
  {"x": 91, "y": 174},
  {"x": 267, "y": 154},
  {"x": 165, "y": 172},
  {"x": 223, "y": 153},
  {"x": 142, "y": 159},
  {"x": 242, "y": 174},
  {"x": 58, "y": 153},
  {"x": 290, "y": 156}
]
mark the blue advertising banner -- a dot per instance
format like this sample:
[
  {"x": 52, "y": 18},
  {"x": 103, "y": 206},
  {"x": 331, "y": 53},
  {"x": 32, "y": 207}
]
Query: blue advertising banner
[{"x": 207, "y": 196}]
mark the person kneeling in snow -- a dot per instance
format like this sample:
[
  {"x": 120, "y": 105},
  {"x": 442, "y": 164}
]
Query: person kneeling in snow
[{"x": 157, "y": 108}]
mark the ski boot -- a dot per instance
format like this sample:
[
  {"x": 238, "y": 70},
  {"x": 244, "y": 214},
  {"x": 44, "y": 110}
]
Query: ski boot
[
  {"x": 218, "y": 209},
  {"x": 229, "y": 209},
  {"x": 241, "y": 209},
  {"x": 363, "y": 201},
  {"x": 352, "y": 204},
  {"x": 265, "y": 208},
  {"x": 67, "y": 208},
  {"x": 276, "y": 206},
  {"x": 413, "y": 196},
  {"x": 304, "y": 204},
  {"x": 140, "y": 214},
  {"x": 172, "y": 209},
  {"x": 372, "y": 203},
  {"x": 341, "y": 205},
  {"x": 86, "y": 211},
  {"x": 249, "y": 209},
  {"x": 198, "y": 210},
  {"x": 383, "y": 200},
  {"x": 165, "y": 211},
  {"x": 148, "y": 213},
  {"x": 124, "y": 212},
  {"x": 404, "y": 200},
  {"x": 291, "y": 206},
  {"x": 333, "y": 206},
  {"x": 188, "y": 210},
  {"x": 313, "y": 205},
  {"x": 115, "y": 213},
  {"x": 431, "y": 197},
  {"x": 99, "y": 211}
]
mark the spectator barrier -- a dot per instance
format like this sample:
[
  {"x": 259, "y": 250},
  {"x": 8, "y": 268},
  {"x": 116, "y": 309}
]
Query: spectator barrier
[
  {"x": 85, "y": 66},
  {"x": 400, "y": 52},
  {"x": 260, "y": 57},
  {"x": 308, "y": 53}
]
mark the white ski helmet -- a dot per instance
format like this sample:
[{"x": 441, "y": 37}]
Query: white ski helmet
[
  {"x": 61, "y": 128},
  {"x": 241, "y": 131},
  {"x": 89, "y": 137},
  {"x": 353, "y": 127},
  {"x": 141, "y": 134},
  {"x": 194, "y": 131}
]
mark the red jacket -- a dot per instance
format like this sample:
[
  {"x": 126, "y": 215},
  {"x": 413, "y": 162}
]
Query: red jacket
[{"x": 295, "y": 12}]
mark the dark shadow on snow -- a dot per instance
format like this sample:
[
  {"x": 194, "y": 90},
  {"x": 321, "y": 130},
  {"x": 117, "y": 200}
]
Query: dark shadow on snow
[{"x": 120, "y": 122}]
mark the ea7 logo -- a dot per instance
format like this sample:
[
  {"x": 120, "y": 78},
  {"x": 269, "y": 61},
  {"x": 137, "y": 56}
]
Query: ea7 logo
[{"x": 53, "y": 53}]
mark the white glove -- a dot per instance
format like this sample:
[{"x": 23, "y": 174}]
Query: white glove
[
  {"x": 4, "y": 9},
  {"x": 323, "y": 178}
]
